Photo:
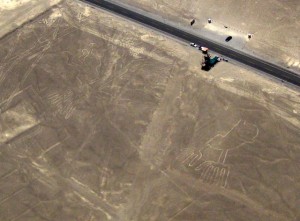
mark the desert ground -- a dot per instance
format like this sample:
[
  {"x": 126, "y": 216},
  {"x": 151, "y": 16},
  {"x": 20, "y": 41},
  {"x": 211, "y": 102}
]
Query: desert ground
[
  {"x": 103, "y": 119},
  {"x": 274, "y": 24},
  {"x": 15, "y": 13}
]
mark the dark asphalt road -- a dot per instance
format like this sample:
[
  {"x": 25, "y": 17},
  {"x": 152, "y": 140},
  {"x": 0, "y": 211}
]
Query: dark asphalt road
[{"x": 239, "y": 56}]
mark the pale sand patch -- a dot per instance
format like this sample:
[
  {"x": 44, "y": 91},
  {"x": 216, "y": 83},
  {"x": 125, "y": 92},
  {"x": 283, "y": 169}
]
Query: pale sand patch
[
  {"x": 14, "y": 13},
  {"x": 12, "y": 4},
  {"x": 16, "y": 120}
]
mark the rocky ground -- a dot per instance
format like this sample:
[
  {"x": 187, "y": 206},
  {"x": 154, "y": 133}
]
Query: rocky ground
[{"x": 103, "y": 119}]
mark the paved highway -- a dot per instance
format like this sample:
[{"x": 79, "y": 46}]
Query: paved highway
[{"x": 239, "y": 56}]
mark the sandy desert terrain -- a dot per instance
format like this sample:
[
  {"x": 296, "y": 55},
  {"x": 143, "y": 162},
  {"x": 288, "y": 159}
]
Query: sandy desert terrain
[
  {"x": 15, "y": 13},
  {"x": 103, "y": 119},
  {"x": 275, "y": 24}
]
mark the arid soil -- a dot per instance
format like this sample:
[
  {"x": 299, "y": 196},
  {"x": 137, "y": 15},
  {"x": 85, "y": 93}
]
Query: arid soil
[
  {"x": 274, "y": 24},
  {"x": 103, "y": 119},
  {"x": 15, "y": 13}
]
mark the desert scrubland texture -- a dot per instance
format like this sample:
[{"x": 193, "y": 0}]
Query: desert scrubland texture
[
  {"x": 102, "y": 119},
  {"x": 275, "y": 24}
]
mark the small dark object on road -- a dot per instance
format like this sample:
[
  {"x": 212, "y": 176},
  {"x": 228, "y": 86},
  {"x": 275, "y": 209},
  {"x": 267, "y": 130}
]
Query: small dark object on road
[
  {"x": 225, "y": 26},
  {"x": 228, "y": 38},
  {"x": 192, "y": 22},
  {"x": 249, "y": 36},
  {"x": 209, "y": 20}
]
